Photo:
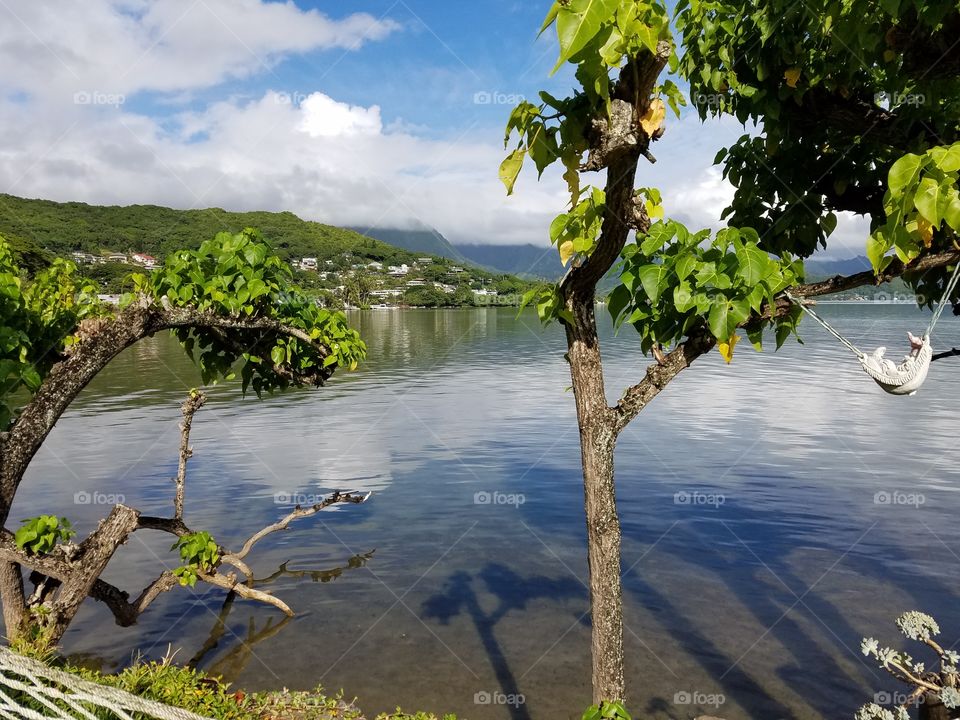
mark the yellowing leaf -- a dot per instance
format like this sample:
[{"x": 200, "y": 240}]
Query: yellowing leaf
[
  {"x": 889, "y": 56},
  {"x": 573, "y": 185},
  {"x": 510, "y": 169},
  {"x": 566, "y": 252},
  {"x": 925, "y": 229},
  {"x": 654, "y": 211},
  {"x": 792, "y": 75},
  {"x": 653, "y": 119},
  {"x": 726, "y": 347}
]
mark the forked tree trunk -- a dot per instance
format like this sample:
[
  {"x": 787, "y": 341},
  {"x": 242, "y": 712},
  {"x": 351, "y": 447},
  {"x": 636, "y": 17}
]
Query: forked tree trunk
[{"x": 597, "y": 441}]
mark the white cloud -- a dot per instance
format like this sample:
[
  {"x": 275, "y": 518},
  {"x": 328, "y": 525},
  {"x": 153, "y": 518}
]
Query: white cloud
[
  {"x": 314, "y": 155},
  {"x": 325, "y": 117},
  {"x": 704, "y": 198},
  {"x": 60, "y": 47}
]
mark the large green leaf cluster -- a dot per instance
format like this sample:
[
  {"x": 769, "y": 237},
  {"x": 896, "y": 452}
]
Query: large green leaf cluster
[
  {"x": 598, "y": 37},
  {"x": 238, "y": 276},
  {"x": 674, "y": 282},
  {"x": 842, "y": 89},
  {"x": 921, "y": 202},
  {"x": 231, "y": 277},
  {"x": 36, "y": 320}
]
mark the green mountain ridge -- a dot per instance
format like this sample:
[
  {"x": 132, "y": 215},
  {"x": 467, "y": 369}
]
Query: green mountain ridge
[
  {"x": 424, "y": 240},
  {"x": 61, "y": 228}
]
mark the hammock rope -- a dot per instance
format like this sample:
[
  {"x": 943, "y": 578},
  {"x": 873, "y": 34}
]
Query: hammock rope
[
  {"x": 951, "y": 286},
  {"x": 907, "y": 377},
  {"x": 31, "y": 690}
]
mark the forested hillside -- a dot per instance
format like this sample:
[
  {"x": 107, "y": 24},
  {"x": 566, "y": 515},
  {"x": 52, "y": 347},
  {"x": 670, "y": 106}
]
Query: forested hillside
[{"x": 63, "y": 228}]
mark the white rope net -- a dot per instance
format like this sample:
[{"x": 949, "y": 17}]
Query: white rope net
[{"x": 30, "y": 690}]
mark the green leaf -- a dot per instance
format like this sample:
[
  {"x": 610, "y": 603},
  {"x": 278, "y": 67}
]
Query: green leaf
[
  {"x": 683, "y": 298},
  {"x": 930, "y": 201},
  {"x": 685, "y": 265},
  {"x": 719, "y": 321},
  {"x": 947, "y": 159},
  {"x": 951, "y": 213},
  {"x": 578, "y": 23},
  {"x": 903, "y": 172},
  {"x": 754, "y": 265},
  {"x": 878, "y": 245},
  {"x": 648, "y": 36},
  {"x": 651, "y": 277},
  {"x": 550, "y": 19}
]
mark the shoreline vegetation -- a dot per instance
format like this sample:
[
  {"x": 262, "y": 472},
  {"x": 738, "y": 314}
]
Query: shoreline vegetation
[{"x": 193, "y": 690}]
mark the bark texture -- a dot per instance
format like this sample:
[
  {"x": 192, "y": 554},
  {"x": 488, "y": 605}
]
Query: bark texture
[{"x": 618, "y": 142}]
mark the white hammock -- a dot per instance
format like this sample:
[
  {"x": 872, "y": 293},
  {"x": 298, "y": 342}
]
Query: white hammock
[
  {"x": 59, "y": 695},
  {"x": 906, "y": 377}
]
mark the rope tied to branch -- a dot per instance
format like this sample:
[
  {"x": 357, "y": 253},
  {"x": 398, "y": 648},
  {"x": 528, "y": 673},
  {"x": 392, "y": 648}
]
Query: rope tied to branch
[{"x": 906, "y": 377}]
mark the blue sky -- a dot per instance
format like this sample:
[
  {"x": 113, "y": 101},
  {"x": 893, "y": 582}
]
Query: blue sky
[{"x": 373, "y": 112}]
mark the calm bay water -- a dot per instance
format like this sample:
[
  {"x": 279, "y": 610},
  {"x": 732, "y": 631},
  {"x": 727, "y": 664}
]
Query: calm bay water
[{"x": 757, "y": 551}]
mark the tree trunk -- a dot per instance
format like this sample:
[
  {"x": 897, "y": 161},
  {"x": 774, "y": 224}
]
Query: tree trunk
[
  {"x": 597, "y": 441},
  {"x": 11, "y": 593},
  {"x": 932, "y": 709},
  {"x": 94, "y": 554}
]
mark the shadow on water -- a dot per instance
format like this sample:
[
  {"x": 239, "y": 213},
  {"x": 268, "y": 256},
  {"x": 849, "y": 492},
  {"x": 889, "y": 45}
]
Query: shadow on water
[
  {"x": 768, "y": 544},
  {"x": 749, "y": 550},
  {"x": 512, "y": 592}
]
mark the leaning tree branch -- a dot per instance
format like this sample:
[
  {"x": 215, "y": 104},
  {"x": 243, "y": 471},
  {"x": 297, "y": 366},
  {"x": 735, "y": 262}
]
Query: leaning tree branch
[
  {"x": 700, "y": 341},
  {"x": 100, "y": 341},
  {"x": 942, "y": 356},
  {"x": 73, "y": 566},
  {"x": 70, "y": 573},
  {"x": 188, "y": 409},
  {"x": 297, "y": 514}
]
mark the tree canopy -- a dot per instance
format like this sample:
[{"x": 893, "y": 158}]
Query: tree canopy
[
  {"x": 229, "y": 302},
  {"x": 859, "y": 108}
]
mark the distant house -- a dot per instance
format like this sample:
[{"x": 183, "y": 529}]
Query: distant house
[
  {"x": 398, "y": 270},
  {"x": 82, "y": 257},
  {"x": 308, "y": 263},
  {"x": 448, "y": 289},
  {"x": 375, "y": 265},
  {"x": 386, "y": 293},
  {"x": 148, "y": 261},
  {"x": 485, "y": 293},
  {"x": 416, "y": 283},
  {"x": 117, "y": 258},
  {"x": 424, "y": 261},
  {"x": 456, "y": 269}
]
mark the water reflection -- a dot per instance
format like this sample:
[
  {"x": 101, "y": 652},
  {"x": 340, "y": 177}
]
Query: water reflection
[
  {"x": 763, "y": 598},
  {"x": 240, "y": 648}
]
